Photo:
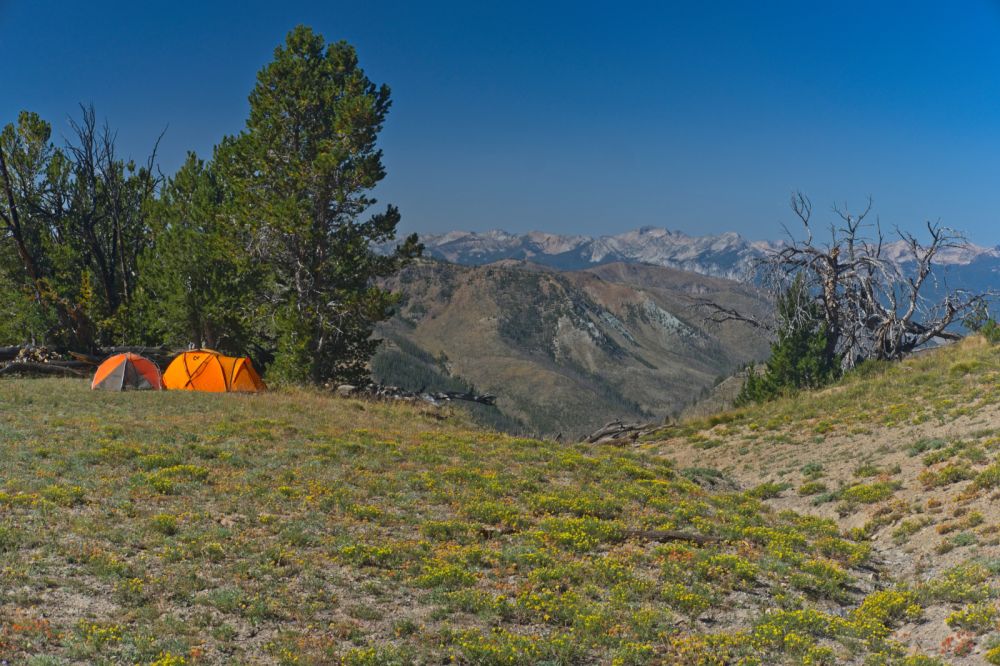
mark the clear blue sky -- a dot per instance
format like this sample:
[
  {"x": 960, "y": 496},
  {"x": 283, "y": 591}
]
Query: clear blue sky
[{"x": 578, "y": 116}]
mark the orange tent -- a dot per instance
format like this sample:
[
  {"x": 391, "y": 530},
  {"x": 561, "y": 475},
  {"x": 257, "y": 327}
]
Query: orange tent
[
  {"x": 207, "y": 370},
  {"x": 127, "y": 371}
]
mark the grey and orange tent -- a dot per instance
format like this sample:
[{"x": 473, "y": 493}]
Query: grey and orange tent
[
  {"x": 207, "y": 370},
  {"x": 124, "y": 372}
]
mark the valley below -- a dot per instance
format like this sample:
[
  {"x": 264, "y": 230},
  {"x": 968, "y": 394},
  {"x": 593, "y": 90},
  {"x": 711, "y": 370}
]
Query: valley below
[{"x": 565, "y": 352}]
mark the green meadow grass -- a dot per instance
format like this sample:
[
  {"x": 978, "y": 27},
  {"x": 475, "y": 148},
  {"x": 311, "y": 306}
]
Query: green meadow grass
[
  {"x": 935, "y": 387},
  {"x": 296, "y": 528}
]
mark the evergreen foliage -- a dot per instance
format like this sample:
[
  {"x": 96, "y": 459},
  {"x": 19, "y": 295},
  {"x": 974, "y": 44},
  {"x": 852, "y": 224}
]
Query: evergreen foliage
[
  {"x": 801, "y": 356},
  {"x": 302, "y": 172},
  {"x": 73, "y": 222},
  {"x": 199, "y": 278},
  {"x": 981, "y": 321},
  {"x": 265, "y": 248}
]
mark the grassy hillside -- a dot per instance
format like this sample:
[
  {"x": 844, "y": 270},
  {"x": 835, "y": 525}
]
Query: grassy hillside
[
  {"x": 564, "y": 352},
  {"x": 903, "y": 456},
  {"x": 297, "y": 528}
]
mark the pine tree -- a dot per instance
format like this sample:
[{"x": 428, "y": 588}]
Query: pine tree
[
  {"x": 801, "y": 357},
  {"x": 302, "y": 173},
  {"x": 199, "y": 281}
]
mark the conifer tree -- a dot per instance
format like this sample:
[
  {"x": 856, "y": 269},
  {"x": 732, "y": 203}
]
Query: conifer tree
[
  {"x": 302, "y": 173},
  {"x": 199, "y": 281},
  {"x": 801, "y": 357}
]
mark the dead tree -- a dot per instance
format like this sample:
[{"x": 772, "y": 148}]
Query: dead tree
[
  {"x": 73, "y": 213},
  {"x": 106, "y": 206},
  {"x": 26, "y": 158},
  {"x": 872, "y": 294}
]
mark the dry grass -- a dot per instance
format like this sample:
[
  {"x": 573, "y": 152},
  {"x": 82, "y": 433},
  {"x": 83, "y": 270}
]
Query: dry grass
[
  {"x": 904, "y": 455},
  {"x": 295, "y": 528}
]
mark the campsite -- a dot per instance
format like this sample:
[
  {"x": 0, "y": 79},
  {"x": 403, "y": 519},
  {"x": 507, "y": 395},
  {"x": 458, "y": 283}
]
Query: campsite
[
  {"x": 499, "y": 334},
  {"x": 188, "y": 370},
  {"x": 295, "y": 526}
]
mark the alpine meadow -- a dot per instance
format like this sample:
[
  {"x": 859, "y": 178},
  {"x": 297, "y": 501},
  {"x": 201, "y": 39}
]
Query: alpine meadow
[{"x": 600, "y": 385}]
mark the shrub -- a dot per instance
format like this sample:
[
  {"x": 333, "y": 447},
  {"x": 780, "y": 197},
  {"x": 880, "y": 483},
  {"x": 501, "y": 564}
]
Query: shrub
[
  {"x": 163, "y": 479},
  {"x": 444, "y": 530},
  {"x": 575, "y": 504},
  {"x": 866, "y": 470},
  {"x": 63, "y": 495},
  {"x": 98, "y": 635},
  {"x": 980, "y": 321},
  {"x": 868, "y": 493},
  {"x": 495, "y": 513},
  {"x": 812, "y": 471},
  {"x": 908, "y": 528},
  {"x": 445, "y": 575},
  {"x": 383, "y": 557},
  {"x": 989, "y": 477},
  {"x": 880, "y": 610},
  {"x": 979, "y": 618},
  {"x": 964, "y": 583},
  {"x": 376, "y": 656},
  {"x": 10, "y": 538},
  {"x": 964, "y": 539},
  {"x": 164, "y": 524},
  {"x": 812, "y": 488},
  {"x": 924, "y": 445},
  {"x": 688, "y": 599},
  {"x": 768, "y": 490},
  {"x": 505, "y": 648},
  {"x": 947, "y": 475},
  {"x": 991, "y": 331},
  {"x": 634, "y": 654},
  {"x": 822, "y": 579},
  {"x": 579, "y": 534},
  {"x": 727, "y": 568}
]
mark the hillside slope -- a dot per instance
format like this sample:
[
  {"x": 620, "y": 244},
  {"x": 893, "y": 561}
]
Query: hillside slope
[
  {"x": 565, "y": 352},
  {"x": 298, "y": 528},
  {"x": 907, "y": 456}
]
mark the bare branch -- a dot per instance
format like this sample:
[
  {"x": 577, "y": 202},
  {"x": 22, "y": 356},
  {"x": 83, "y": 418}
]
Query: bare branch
[
  {"x": 874, "y": 303},
  {"x": 718, "y": 314}
]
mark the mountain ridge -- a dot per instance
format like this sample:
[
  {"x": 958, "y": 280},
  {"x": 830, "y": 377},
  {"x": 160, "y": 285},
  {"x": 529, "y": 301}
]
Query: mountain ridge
[{"x": 727, "y": 255}]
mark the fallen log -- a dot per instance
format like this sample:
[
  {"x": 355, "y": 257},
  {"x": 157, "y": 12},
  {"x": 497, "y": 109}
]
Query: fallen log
[
  {"x": 89, "y": 359},
  {"x": 75, "y": 364},
  {"x": 446, "y": 396},
  {"x": 669, "y": 535},
  {"x": 9, "y": 353},
  {"x": 618, "y": 432},
  {"x": 39, "y": 369},
  {"x": 159, "y": 355},
  {"x": 136, "y": 349}
]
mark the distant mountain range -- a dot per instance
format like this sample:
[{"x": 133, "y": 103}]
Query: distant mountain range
[{"x": 726, "y": 255}]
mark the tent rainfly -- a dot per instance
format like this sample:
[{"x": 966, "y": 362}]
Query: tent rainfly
[
  {"x": 207, "y": 370},
  {"x": 123, "y": 372}
]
